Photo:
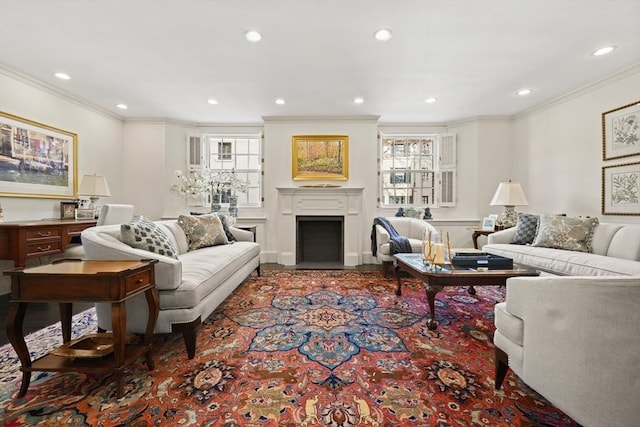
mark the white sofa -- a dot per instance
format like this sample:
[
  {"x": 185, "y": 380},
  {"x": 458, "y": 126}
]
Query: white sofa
[
  {"x": 189, "y": 288},
  {"x": 572, "y": 333},
  {"x": 411, "y": 228},
  {"x": 616, "y": 252}
]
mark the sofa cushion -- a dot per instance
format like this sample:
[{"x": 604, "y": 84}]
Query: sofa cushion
[
  {"x": 206, "y": 269},
  {"x": 203, "y": 230},
  {"x": 565, "y": 263},
  {"x": 143, "y": 234},
  {"x": 526, "y": 228},
  {"x": 560, "y": 232}
]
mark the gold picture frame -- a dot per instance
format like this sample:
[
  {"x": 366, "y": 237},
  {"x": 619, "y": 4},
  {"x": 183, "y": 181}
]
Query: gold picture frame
[
  {"x": 37, "y": 160},
  {"x": 320, "y": 157},
  {"x": 621, "y": 189},
  {"x": 621, "y": 132}
]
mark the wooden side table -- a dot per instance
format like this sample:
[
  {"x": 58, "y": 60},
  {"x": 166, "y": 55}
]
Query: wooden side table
[
  {"x": 477, "y": 232},
  {"x": 69, "y": 281}
]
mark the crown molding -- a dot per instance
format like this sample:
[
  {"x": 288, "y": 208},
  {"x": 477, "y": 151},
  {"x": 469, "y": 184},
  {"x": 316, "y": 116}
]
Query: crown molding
[
  {"x": 590, "y": 87},
  {"x": 38, "y": 84},
  {"x": 333, "y": 119}
]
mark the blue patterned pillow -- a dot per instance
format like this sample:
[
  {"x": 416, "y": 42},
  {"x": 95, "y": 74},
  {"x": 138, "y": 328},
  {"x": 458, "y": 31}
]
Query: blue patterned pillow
[
  {"x": 144, "y": 234},
  {"x": 526, "y": 229}
]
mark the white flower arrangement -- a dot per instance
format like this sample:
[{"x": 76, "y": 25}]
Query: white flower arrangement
[{"x": 201, "y": 182}]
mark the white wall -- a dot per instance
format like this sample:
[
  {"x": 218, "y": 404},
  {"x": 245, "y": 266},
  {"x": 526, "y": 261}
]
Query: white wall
[
  {"x": 99, "y": 146},
  {"x": 363, "y": 154},
  {"x": 558, "y": 149}
]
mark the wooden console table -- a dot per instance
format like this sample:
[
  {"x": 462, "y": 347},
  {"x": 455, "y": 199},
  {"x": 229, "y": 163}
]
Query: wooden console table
[
  {"x": 69, "y": 281},
  {"x": 22, "y": 240}
]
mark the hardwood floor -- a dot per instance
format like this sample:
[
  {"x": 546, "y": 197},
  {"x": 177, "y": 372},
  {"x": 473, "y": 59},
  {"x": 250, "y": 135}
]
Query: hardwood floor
[{"x": 41, "y": 315}]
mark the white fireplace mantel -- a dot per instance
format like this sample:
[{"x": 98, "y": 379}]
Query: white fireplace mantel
[{"x": 320, "y": 201}]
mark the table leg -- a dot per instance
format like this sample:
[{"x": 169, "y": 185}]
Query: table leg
[
  {"x": 471, "y": 290},
  {"x": 396, "y": 271},
  {"x": 474, "y": 237},
  {"x": 431, "y": 299},
  {"x": 152, "y": 301},
  {"x": 15, "y": 320},
  {"x": 119, "y": 323},
  {"x": 65, "y": 319}
]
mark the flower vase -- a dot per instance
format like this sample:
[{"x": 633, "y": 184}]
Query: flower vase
[
  {"x": 215, "y": 202},
  {"x": 233, "y": 206}
]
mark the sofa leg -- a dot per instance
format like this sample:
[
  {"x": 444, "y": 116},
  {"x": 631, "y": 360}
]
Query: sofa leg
[
  {"x": 502, "y": 365},
  {"x": 189, "y": 334}
]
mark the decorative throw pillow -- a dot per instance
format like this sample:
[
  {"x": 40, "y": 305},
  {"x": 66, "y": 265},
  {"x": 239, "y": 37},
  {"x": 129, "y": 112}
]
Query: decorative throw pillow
[
  {"x": 144, "y": 234},
  {"x": 225, "y": 227},
  {"x": 203, "y": 230},
  {"x": 563, "y": 232},
  {"x": 525, "y": 229}
]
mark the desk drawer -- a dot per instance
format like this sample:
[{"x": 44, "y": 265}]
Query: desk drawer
[
  {"x": 49, "y": 247},
  {"x": 43, "y": 233},
  {"x": 75, "y": 230},
  {"x": 137, "y": 281}
]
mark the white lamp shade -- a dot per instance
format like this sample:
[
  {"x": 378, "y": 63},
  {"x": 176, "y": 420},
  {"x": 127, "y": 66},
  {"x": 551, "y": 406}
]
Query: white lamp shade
[
  {"x": 94, "y": 186},
  {"x": 509, "y": 194}
]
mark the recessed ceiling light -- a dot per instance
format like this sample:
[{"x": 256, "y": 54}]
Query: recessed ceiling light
[
  {"x": 62, "y": 76},
  {"x": 280, "y": 101},
  {"x": 431, "y": 100},
  {"x": 382, "y": 35},
  {"x": 604, "y": 50},
  {"x": 212, "y": 102},
  {"x": 122, "y": 106},
  {"x": 523, "y": 92},
  {"x": 358, "y": 100},
  {"x": 253, "y": 36}
]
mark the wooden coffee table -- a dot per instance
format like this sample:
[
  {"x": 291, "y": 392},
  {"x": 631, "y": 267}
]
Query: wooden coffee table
[{"x": 435, "y": 281}]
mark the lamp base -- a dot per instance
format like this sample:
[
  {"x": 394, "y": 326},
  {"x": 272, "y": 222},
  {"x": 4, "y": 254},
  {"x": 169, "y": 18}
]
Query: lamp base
[{"x": 509, "y": 217}]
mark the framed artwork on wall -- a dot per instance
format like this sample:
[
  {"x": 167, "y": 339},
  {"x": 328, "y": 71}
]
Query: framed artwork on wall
[
  {"x": 621, "y": 189},
  {"x": 621, "y": 132},
  {"x": 36, "y": 160},
  {"x": 320, "y": 157}
]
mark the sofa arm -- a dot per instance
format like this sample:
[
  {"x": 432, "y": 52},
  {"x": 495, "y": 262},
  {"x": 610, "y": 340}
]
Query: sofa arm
[
  {"x": 502, "y": 236},
  {"x": 100, "y": 243},
  {"x": 242, "y": 235},
  {"x": 581, "y": 348}
]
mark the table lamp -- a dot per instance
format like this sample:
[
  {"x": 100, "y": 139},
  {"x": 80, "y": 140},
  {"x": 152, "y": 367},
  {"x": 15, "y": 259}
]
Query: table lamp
[
  {"x": 94, "y": 186},
  {"x": 509, "y": 194}
]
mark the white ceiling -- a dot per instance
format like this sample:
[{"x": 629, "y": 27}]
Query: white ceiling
[{"x": 167, "y": 58}]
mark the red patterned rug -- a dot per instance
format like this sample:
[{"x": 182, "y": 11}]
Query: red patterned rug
[{"x": 305, "y": 348}]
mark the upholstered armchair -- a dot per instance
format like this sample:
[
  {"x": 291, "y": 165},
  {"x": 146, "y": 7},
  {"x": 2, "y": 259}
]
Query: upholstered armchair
[
  {"x": 411, "y": 228},
  {"x": 575, "y": 341}
]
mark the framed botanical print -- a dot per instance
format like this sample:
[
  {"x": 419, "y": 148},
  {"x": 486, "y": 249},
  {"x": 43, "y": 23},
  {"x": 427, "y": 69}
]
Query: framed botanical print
[
  {"x": 621, "y": 189},
  {"x": 621, "y": 132}
]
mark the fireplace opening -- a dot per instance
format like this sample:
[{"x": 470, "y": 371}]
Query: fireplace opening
[{"x": 319, "y": 241}]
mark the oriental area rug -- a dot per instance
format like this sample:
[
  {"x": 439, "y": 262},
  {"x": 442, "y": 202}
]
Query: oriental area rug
[{"x": 299, "y": 348}]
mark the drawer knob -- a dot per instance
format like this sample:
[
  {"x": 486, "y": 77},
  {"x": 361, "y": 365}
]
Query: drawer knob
[{"x": 139, "y": 281}]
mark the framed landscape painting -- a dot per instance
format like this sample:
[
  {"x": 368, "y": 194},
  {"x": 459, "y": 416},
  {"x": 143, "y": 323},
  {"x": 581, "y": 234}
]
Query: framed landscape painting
[
  {"x": 320, "y": 157},
  {"x": 621, "y": 132},
  {"x": 621, "y": 189},
  {"x": 36, "y": 160}
]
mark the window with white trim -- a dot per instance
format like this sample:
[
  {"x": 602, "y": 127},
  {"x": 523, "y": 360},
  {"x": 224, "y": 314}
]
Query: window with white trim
[
  {"x": 242, "y": 153},
  {"x": 417, "y": 170}
]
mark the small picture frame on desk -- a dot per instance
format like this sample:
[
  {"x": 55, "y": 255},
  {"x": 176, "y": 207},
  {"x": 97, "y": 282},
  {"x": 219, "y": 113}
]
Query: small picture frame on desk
[
  {"x": 488, "y": 224},
  {"x": 67, "y": 210},
  {"x": 84, "y": 213}
]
